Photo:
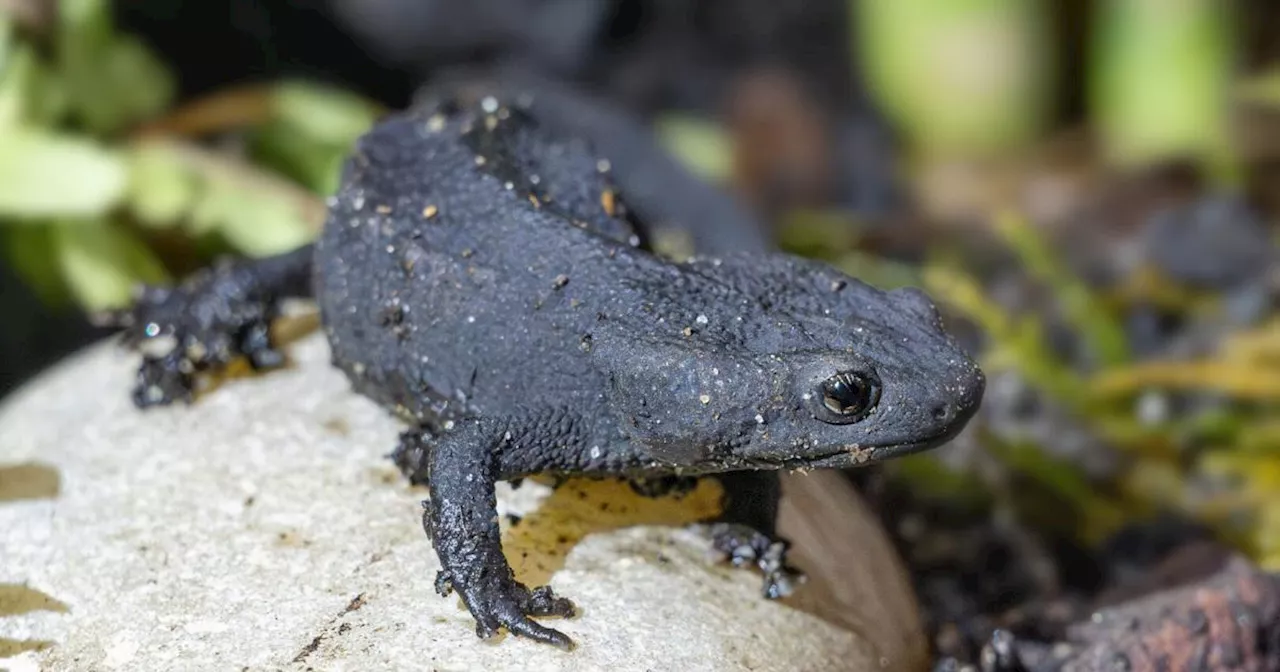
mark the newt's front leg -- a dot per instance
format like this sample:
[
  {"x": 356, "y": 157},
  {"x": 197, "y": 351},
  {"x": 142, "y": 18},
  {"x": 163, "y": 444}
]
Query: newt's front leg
[
  {"x": 462, "y": 521},
  {"x": 214, "y": 316},
  {"x": 746, "y": 532}
]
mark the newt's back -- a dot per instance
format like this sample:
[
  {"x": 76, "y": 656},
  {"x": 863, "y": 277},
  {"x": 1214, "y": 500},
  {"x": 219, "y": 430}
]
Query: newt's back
[{"x": 460, "y": 260}]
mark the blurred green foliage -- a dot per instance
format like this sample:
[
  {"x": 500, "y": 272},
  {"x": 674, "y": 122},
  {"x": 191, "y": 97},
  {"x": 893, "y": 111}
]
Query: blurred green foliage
[
  {"x": 90, "y": 202},
  {"x": 974, "y": 79},
  {"x": 105, "y": 184},
  {"x": 977, "y": 77},
  {"x": 959, "y": 78},
  {"x": 700, "y": 144},
  {"x": 1159, "y": 79},
  {"x": 1220, "y": 464}
]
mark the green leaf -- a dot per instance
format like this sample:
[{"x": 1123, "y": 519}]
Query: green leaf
[
  {"x": 161, "y": 188},
  {"x": 6, "y": 37},
  {"x": 14, "y": 65},
  {"x": 102, "y": 263},
  {"x": 959, "y": 78},
  {"x": 257, "y": 223},
  {"x": 84, "y": 31},
  {"x": 46, "y": 96},
  {"x": 701, "y": 145},
  {"x": 30, "y": 253},
  {"x": 145, "y": 85},
  {"x": 1159, "y": 76},
  {"x": 43, "y": 174},
  {"x": 112, "y": 81},
  {"x": 29, "y": 92},
  {"x": 265, "y": 226},
  {"x": 315, "y": 165},
  {"x": 324, "y": 113},
  {"x": 89, "y": 19}
]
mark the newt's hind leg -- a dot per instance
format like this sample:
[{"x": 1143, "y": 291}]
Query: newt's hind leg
[
  {"x": 214, "y": 316},
  {"x": 413, "y": 453}
]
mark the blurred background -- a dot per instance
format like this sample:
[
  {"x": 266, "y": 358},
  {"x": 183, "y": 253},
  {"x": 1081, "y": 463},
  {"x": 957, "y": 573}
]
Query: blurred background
[{"x": 1088, "y": 188}]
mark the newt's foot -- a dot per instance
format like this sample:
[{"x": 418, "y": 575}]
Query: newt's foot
[
  {"x": 164, "y": 380},
  {"x": 502, "y": 602},
  {"x": 412, "y": 455},
  {"x": 212, "y": 318},
  {"x": 742, "y": 545}
]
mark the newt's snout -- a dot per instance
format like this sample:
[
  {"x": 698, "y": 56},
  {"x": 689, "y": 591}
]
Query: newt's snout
[{"x": 953, "y": 414}]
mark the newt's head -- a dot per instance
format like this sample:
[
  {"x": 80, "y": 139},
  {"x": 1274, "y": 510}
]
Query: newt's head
[
  {"x": 891, "y": 382},
  {"x": 816, "y": 371}
]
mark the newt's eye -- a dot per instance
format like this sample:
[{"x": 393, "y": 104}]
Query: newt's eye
[{"x": 849, "y": 396}]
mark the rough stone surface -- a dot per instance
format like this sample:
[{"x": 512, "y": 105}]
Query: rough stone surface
[{"x": 263, "y": 529}]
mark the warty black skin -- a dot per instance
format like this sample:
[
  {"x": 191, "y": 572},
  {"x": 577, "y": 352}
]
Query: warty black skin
[
  {"x": 661, "y": 190},
  {"x": 483, "y": 278}
]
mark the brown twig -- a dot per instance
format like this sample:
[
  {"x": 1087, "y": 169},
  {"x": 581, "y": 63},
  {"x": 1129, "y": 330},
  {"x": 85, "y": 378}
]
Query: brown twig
[
  {"x": 237, "y": 107},
  {"x": 34, "y": 15}
]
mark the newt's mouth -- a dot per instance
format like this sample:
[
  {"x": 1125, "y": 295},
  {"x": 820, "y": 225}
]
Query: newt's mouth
[{"x": 856, "y": 456}]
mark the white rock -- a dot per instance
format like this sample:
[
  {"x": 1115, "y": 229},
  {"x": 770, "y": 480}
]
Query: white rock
[{"x": 263, "y": 529}]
